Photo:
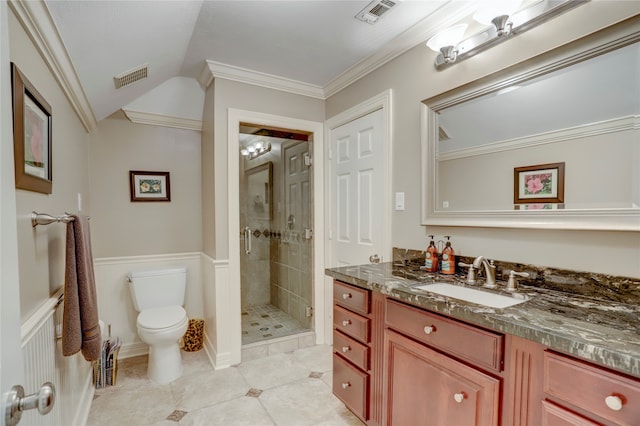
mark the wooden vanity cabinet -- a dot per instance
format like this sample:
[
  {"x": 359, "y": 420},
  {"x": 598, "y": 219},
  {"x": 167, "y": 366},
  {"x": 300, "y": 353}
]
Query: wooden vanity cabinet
[
  {"x": 424, "y": 384},
  {"x": 580, "y": 393},
  {"x": 358, "y": 324}
]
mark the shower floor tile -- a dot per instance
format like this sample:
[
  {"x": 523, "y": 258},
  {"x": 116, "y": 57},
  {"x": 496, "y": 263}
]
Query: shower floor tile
[{"x": 262, "y": 322}]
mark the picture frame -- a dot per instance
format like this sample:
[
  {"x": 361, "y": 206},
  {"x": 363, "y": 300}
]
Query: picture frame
[
  {"x": 149, "y": 186},
  {"x": 542, "y": 183},
  {"x": 32, "y": 119}
]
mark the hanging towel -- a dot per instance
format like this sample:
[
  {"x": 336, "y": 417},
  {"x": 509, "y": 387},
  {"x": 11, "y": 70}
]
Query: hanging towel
[{"x": 80, "y": 323}]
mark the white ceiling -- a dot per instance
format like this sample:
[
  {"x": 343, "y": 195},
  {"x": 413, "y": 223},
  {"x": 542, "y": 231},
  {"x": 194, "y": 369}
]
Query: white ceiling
[{"x": 308, "y": 41}]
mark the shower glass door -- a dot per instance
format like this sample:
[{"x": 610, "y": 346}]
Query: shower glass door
[{"x": 275, "y": 239}]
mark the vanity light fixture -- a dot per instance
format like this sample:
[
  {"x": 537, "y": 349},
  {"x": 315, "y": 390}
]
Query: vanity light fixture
[
  {"x": 446, "y": 41},
  {"x": 255, "y": 149},
  {"x": 505, "y": 20}
]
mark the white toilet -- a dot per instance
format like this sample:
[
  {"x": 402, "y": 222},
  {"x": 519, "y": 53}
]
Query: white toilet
[{"x": 158, "y": 295}]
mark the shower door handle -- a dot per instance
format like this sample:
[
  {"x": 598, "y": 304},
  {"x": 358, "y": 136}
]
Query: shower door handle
[{"x": 247, "y": 240}]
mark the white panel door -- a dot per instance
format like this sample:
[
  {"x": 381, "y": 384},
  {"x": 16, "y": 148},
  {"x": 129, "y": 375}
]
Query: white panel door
[
  {"x": 356, "y": 190},
  {"x": 10, "y": 353},
  {"x": 297, "y": 188}
]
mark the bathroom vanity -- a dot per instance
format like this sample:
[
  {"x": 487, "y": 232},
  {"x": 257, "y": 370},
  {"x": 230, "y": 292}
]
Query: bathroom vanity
[{"x": 404, "y": 355}]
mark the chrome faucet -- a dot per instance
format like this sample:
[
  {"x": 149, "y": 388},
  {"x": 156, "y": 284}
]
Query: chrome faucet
[{"x": 490, "y": 271}]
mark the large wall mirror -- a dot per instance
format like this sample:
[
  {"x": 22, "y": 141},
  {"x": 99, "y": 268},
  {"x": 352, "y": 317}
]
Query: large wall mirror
[{"x": 577, "y": 106}]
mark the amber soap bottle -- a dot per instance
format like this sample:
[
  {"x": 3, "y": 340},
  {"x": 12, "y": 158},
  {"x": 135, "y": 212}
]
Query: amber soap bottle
[
  {"x": 431, "y": 257},
  {"x": 448, "y": 258}
]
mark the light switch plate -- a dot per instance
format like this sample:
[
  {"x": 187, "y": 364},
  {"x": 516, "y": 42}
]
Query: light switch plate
[{"x": 399, "y": 200}]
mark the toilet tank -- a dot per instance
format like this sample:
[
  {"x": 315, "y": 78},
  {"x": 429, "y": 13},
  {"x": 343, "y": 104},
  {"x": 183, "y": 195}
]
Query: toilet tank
[{"x": 154, "y": 288}]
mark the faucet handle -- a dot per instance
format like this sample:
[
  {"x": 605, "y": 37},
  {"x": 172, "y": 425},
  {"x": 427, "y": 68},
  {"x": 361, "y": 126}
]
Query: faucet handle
[
  {"x": 512, "y": 284},
  {"x": 471, "y": 275}
]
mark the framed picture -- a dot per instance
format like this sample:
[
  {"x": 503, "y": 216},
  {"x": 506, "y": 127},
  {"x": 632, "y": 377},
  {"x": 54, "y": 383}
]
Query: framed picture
[
  {"x": 543, "y": 183},
  {"x": 31, "y": 136},
  {"x": 149, "y": 186}
]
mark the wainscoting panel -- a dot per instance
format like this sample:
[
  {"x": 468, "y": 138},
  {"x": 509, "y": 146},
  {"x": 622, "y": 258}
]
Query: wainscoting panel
[
  {"x": 115, "y": 305},
  {"x": 43, "y": 362}
]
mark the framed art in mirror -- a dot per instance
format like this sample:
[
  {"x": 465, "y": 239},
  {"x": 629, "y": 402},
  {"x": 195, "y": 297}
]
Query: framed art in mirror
[
  {"x": 31, "y": 136},
  {"x": 543, "y": 183}
]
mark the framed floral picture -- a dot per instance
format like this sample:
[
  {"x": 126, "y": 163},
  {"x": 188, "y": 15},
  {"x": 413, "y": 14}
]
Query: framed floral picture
[
  {"x": 149, "y": 186},
  {"x": 31, "y": 136},
  {"x": 542, "y": 183}
]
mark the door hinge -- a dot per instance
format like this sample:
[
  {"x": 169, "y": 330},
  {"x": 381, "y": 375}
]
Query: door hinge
[
  {"x": 308, "y": 311},
  {"x": 308, "y": 161}
]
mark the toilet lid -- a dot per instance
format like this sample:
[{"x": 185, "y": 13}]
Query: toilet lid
[{"x": 166, "y": 316}]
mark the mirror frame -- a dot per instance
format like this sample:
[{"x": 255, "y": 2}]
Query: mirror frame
[{"x": 623, "y": 219}]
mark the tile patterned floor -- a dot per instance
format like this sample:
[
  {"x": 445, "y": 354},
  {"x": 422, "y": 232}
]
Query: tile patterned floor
[
  {"x": 284, "y": 389},
  {"x": 267, "y": 322}
]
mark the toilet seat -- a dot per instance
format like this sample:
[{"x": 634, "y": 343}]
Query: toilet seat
[{"x": 159, "y": 320}]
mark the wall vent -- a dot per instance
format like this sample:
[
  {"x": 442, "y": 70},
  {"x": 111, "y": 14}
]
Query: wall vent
[
  {"x": 131, "y": 76},
  {"x": 375, "y": 10}
]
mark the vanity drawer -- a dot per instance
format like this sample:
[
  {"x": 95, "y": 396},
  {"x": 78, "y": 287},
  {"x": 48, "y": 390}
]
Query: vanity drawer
[
  {"x": 592, "y": 388},
  {"x": 352, "y": 350},
  {"x": 351, "y": 324},
  {"x": 354, "y": 298},
  {"x": 481, "y": 347},
  {"x": 553, "y": 415},
  {"x": 351, "y": 385}
]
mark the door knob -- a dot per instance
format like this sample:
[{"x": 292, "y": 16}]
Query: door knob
[
  {"x": 374, "y": 258},
  {"x": 15, "y": 402}
]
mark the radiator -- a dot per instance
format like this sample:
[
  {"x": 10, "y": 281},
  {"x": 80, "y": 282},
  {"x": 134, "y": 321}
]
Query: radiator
[{"x": 40, "y": 350}]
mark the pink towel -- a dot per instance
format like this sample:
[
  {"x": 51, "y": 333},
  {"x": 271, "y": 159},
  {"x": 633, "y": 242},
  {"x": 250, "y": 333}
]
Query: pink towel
[{"x": 80, "y": 326}]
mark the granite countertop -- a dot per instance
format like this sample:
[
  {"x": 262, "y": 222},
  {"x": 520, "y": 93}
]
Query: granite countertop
[{"x": 605, "y": 332}]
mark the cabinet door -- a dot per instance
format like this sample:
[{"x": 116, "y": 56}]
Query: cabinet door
[{"x": 426, "y": 387}]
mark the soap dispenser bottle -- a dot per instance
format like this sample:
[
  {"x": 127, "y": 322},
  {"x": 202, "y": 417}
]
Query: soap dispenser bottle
[
  {"x": 448, "y": 258},
  {"x": 431, "y": 257}
]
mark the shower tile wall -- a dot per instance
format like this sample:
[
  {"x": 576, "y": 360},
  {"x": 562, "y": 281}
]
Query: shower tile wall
[{"x": 290, "y": 276}]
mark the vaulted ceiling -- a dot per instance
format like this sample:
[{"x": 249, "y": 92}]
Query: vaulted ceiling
[{"x": 316, "y": 43}]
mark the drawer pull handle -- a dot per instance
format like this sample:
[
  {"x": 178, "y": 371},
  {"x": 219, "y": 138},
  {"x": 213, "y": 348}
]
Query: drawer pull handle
[
  {"x": 346, "y": 349},
  {"x": 614, "y": 402},
  {"x": 428, "y": 329},
  {"x": 346, "y": 296},
  {"x": 346, "y": 323},
  {"x": 459, "y": 397},
  {"x": 345, "y": 385}
]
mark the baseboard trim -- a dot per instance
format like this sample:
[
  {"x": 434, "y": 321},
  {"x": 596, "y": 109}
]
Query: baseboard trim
[{"x": 129, "y": 350}]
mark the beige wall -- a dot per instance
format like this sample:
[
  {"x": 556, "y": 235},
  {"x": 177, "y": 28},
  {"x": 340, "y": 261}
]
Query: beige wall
[
  {"x": 41, "y": 251},
  {"x": 230, "y": 94},
  {"x": 123, "y": 228},
  {"x": 413, "y": 78}
]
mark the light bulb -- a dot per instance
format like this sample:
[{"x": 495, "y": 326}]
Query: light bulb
[{"x": 449, "y": 37}]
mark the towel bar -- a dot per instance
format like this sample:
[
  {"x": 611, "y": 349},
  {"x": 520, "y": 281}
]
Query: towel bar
[{"x": 46, "y": 219}]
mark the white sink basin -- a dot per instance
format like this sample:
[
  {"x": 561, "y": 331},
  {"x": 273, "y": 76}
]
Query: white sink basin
[{"x": 472, "y": 295}]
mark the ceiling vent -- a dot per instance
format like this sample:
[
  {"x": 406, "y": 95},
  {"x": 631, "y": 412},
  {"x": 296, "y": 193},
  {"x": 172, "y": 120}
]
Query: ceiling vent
[
  {"x": 131, "y": 76},
  {"x": 375, "y": 10}
]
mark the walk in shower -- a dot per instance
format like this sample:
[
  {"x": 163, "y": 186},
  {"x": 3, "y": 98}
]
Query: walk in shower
[{"x": 276, "y": 259}]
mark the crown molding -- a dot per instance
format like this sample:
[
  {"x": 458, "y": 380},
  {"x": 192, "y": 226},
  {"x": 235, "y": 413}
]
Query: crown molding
[
  {"x": 163, "y": 120},
  {"x": 614, "y": 125},
  {"x": 214, "y": 70},
  {"x": 444, "y": 17},
  {"x": 38, "y": 23}
]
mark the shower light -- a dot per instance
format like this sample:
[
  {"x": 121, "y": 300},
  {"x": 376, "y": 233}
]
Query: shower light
[{"x": 255, "y": 149}]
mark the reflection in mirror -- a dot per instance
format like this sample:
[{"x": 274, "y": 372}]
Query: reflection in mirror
[
  {"x": 260, "y": 192},
  {"x": 580, "y": 108}
]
